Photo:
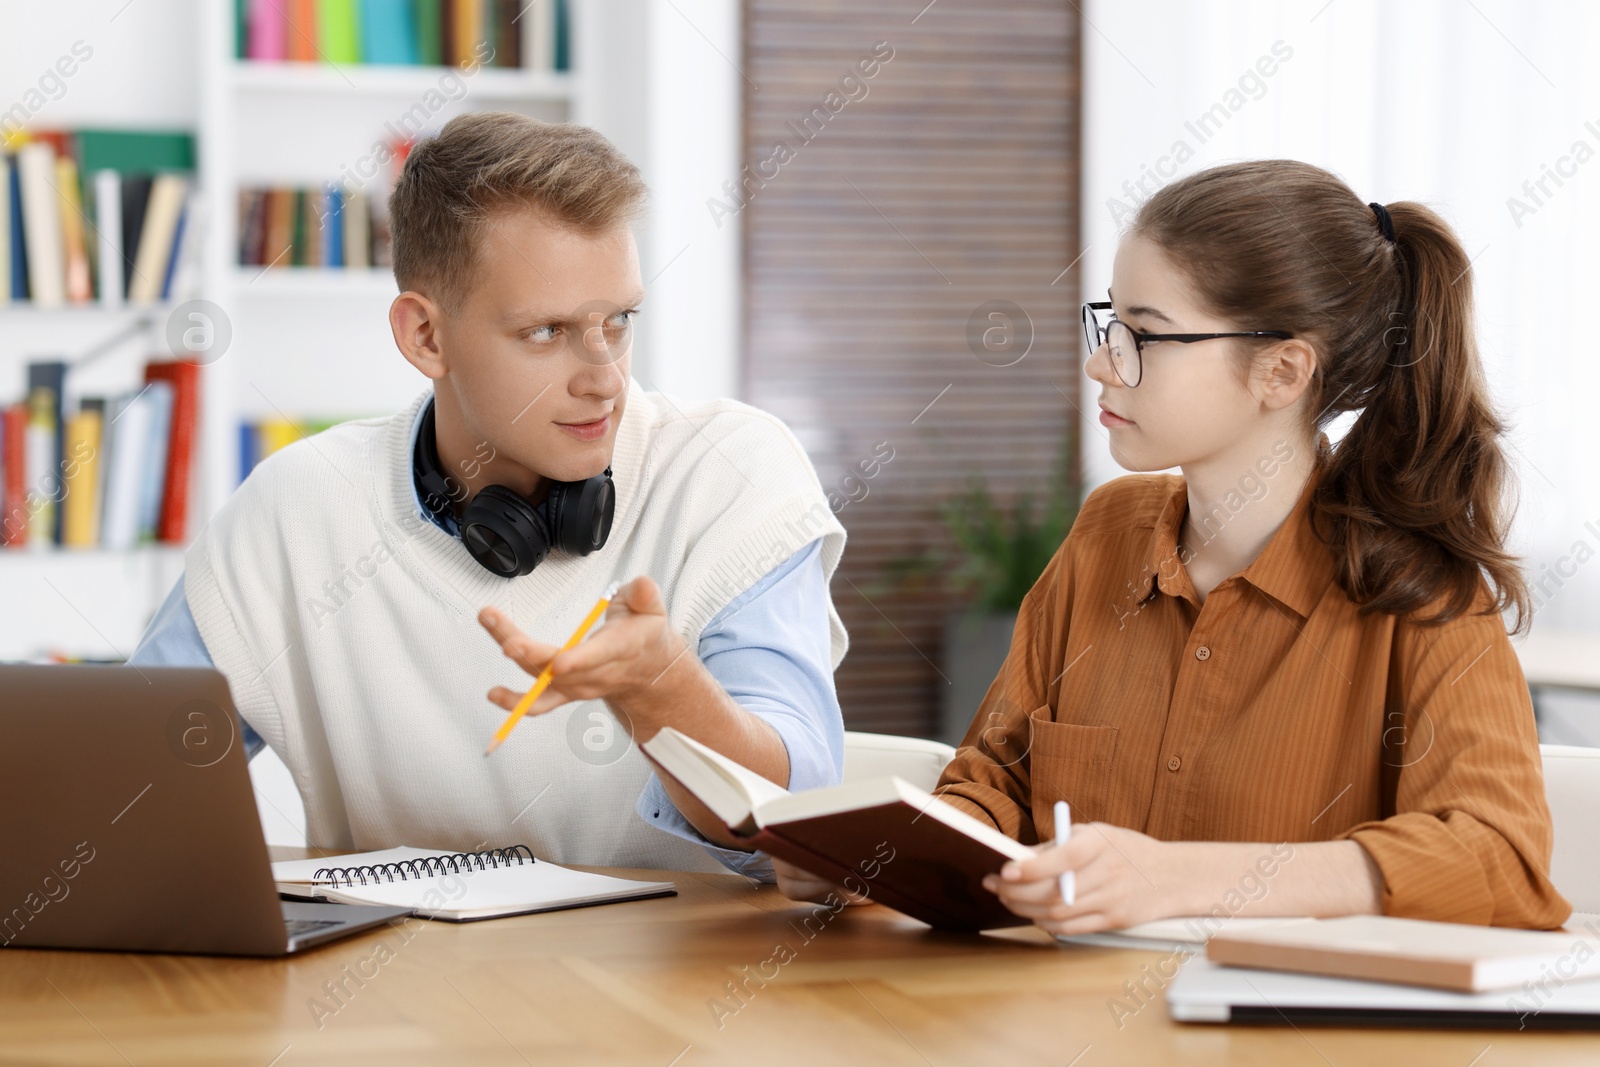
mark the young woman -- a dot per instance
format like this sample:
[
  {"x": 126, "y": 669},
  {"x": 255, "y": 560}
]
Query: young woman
[{"x": 1280, "y": 683}]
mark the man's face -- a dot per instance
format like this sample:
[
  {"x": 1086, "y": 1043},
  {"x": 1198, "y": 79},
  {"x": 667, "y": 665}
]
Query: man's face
[{"x": 539, "y": 350}]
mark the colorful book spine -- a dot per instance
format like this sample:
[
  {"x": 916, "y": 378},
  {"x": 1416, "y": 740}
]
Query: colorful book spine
[
  {"x": 268, "y": 31},
  {"x": 302, "y": 32},
  {"x": 338, "y": 31},
  {"x": 47, "y": 386},
  {"x": 40, "y": 450},
  {"x": 14, "y": 459},
  {"x": 389, "y": 32},
  {"x": 18, "y": 231},
  {"x": 41, "y": 213},
  {"x": 152, "y": 475},
  {"x": 108, "y": 235},
  {"x": 156, "y": 238},
  {"x": 5, "y": 229},
  {"x": 184, "y": 380},
  {"x": 81, "y": 471}
]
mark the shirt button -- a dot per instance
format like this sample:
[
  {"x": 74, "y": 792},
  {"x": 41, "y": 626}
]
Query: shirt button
[
  {"x": 1201, "y": 653},
  {"x": 1174, "y": 763}
]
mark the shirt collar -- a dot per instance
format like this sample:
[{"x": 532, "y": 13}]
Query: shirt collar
[{"x": 1294, "y": 568}]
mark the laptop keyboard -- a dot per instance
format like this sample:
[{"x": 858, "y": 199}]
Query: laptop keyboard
[{"x": 300, "y": 927}]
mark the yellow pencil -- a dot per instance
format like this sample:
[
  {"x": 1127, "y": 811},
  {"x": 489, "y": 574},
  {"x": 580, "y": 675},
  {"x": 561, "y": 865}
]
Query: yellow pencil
[{"x": 541, "y": 683}]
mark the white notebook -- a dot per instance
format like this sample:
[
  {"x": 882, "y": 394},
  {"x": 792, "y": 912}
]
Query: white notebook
[{"x": 456, "y": 886}]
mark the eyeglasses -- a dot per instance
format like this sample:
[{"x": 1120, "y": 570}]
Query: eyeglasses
[{"x": 1127, "y": 344}]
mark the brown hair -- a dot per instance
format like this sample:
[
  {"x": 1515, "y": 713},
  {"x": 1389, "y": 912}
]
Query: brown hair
[
  {"x": 486, "y": 162},
  {"x": 1414, "y": 501}
]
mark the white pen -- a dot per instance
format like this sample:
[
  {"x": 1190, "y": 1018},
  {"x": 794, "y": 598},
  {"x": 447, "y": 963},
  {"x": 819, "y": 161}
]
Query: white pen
[{"x": 1063, "y": 835}]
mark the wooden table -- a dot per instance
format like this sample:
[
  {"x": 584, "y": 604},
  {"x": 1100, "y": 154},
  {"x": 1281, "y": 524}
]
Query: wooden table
[{"x": 636, "y": 983}]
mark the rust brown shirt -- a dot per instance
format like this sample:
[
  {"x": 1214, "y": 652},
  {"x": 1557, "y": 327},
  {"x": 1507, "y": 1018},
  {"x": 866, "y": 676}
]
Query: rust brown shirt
[{"x": 1275, "y": 711}]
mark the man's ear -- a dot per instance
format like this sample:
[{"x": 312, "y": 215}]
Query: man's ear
[
  {"x": 1284, "y": 373},
  {"x": 414, "y": 319}
]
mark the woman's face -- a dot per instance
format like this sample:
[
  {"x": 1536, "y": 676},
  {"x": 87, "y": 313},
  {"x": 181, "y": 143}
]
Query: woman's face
[{"x": 1191, "y": 404}]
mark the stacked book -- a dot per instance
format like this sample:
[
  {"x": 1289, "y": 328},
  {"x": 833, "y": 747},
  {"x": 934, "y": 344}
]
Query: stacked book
[
  {"x": 531, "y": 34},
  {"x": 331, "y": 226},
  {"x": 98, "y": 215},
  {"x": 101, "y": 472}
]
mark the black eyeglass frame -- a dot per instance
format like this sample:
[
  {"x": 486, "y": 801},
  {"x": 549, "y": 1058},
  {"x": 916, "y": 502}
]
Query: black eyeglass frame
[{"x": 1098, "y": 337}]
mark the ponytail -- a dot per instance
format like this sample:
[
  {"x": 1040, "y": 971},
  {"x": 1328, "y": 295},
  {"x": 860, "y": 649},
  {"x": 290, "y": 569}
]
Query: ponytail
[{"x": 1414, "y": 502}]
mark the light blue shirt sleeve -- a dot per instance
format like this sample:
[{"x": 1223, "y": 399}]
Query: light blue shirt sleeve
[
  {"x": 173, "y": 640},
  {"x": 770, "y": 649}
]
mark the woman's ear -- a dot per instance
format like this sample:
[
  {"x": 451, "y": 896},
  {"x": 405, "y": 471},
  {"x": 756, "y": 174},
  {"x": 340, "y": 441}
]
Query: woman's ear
[
  {"x": 1284, "y": 373},
  {"x": 414, "y": 320}
]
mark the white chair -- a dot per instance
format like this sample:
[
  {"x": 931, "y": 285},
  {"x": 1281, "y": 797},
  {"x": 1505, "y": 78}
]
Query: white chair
[
  {"x": 1572, "y": 786},
  {"x": 916, "y": 760}
]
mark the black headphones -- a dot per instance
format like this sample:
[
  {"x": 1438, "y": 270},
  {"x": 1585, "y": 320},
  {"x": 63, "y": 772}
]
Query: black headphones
[{"x": 501, "y": 529}]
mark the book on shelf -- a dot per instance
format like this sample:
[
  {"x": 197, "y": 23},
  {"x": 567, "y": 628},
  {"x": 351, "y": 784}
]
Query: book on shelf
[
  {"x": 523, "y": 34},
  {"x": 258, "y": 440},
  {"x": 96, "y": 471},
  {"x": 98, "y": 215},
  {"x": 331, "y": 227}
]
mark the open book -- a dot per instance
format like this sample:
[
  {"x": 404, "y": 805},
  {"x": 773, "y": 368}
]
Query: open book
[
  {"x": 884, "y": 838},
  {"x": 456, "y": 886}
]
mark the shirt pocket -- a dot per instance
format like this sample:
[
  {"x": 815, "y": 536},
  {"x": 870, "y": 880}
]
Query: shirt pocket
[{"x": 1072, "y": 763}]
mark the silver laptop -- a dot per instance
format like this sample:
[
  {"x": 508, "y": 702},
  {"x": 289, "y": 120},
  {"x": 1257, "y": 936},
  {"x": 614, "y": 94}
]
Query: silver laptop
[
  {"x": 1205, "y": 992},
  {"x": 128, "y": 822}
]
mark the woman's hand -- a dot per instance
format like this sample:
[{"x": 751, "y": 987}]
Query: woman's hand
[{"x": 1122, "y": 877}]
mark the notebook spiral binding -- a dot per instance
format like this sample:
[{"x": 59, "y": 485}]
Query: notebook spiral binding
[{"x": 457, "y": 863}]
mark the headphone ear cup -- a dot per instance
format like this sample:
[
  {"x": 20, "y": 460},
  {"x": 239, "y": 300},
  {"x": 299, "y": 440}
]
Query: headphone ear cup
[
  {"x": 504, "y": 532},
  {"x": 580, "y": 513}
]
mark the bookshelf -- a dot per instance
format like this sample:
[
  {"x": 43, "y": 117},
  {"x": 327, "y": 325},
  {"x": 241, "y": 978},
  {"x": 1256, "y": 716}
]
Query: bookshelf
[
  {"x": 306, "y": 342},
  {"x": 661, "y": 80}
]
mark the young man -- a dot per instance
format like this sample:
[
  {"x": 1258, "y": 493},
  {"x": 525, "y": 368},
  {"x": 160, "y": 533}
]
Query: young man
[{"x": 341, "y": 589}]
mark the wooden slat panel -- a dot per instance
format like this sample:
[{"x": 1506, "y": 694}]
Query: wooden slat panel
[{"x": 952, "y": 183}]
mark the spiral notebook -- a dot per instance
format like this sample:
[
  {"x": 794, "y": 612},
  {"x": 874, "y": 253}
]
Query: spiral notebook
[{"x": 456, "y": 886}]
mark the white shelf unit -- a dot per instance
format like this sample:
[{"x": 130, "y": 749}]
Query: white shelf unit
[
  {"x": 309, "y": 341},
  {"x": 306, "y": 342}
]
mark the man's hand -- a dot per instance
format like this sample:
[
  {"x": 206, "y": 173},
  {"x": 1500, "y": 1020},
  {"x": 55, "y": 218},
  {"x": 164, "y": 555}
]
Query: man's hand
[
  {"x": 627, "y": 654},
  {"x": 647, "y": 676},
  {"x": 798, "y": 884},
  {"x": 1123, "y": 877}
]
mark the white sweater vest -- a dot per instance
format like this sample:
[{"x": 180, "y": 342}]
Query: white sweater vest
[{"x": 346, "y": 625}]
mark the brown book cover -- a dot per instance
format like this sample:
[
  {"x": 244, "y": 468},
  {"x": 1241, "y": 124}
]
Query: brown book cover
[
  {"x": 897, "y": 844},
  {"x": 279, "y": 247}
]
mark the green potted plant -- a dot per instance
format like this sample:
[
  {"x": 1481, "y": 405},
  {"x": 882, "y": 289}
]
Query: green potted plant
[{"x": 995, "y": 555}]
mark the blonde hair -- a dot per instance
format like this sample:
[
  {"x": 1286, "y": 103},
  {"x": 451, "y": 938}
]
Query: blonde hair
[{"x": 488, "y": 162}]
